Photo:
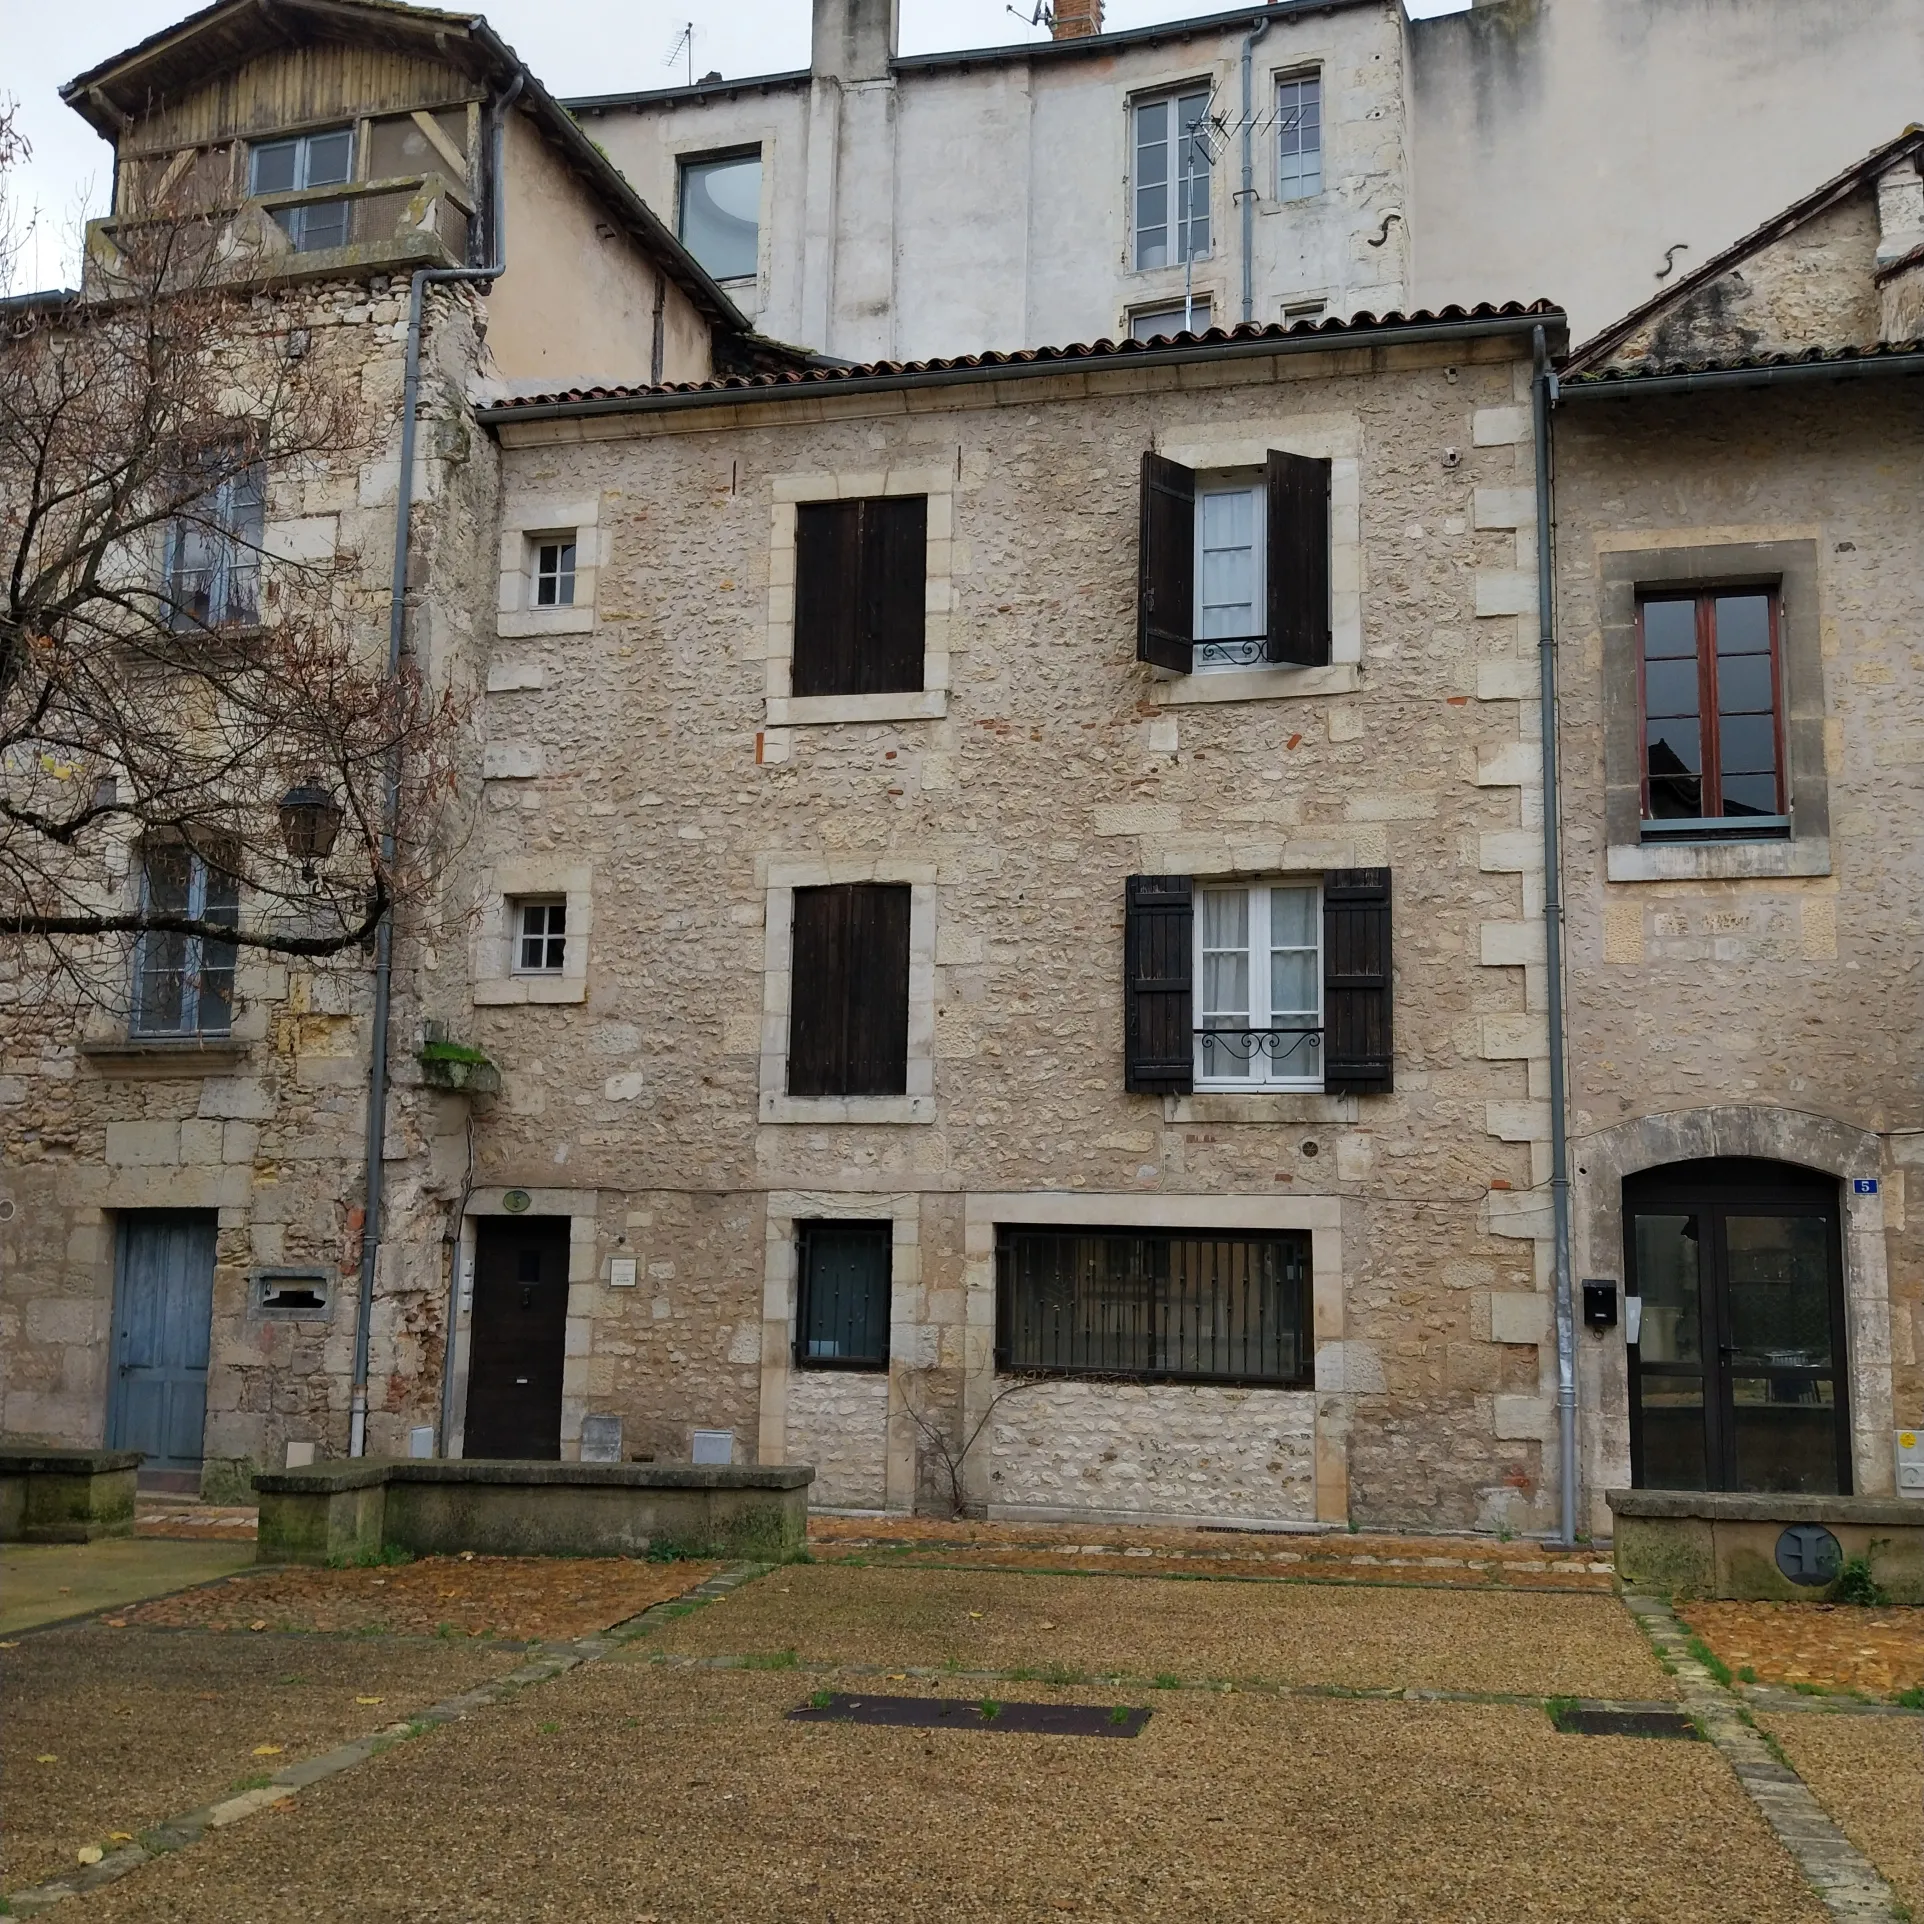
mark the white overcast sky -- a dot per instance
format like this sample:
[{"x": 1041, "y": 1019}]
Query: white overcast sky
[{"x": 575, "y": 46}]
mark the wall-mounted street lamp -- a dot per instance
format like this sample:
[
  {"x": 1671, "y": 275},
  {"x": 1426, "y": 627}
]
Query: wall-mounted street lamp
[{"x": 310, "y": 820}]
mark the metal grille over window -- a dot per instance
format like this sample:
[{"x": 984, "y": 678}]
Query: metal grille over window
[
  {"x": 1299, "y": 137},
  {"x": 184, "y": 984},
  {"x": 842, "y": 1315},
  {"x": 721, "y": 210},
  {"x": 543, "y": 945},
  {"x": 1155, "y": 1305},
  {"x": 1711, "y": 706},
  {"x": 307, "y": 161},
  {"x": 1172, "y": 180},
  {"x": 554, "y": 573}
]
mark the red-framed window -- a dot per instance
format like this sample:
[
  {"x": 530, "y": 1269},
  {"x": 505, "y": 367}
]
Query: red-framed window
[{"x": 1711, "y": 682}]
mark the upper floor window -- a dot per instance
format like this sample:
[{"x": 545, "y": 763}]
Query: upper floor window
[
  {"x": 1299, "y": 137},
  {"x": 1234, "y": 567},
  {"x": 861, "y": 595},
  {"x": 1172, "y": 169},
  {"x": 848, "y": 1020},
  {"x": 721, "y": 211},
  {"x": 303, "y": 161},
  {"x": 1174, "y": 317},
  {"x": 541, "y": 936},
  {"x": 184, "y": 984},
  {"x": 554, "y": 571},
  {"x": 1712, "y": 708},
  {"x": 1259, "y": 976},
  {"x": 213, "y": 548}
]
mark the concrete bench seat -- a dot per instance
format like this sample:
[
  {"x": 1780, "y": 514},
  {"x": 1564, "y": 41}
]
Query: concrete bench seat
[
  {"x": 1724, "y": 1543},
  {"x": 344, "y": 1511},
  {"x": 65, "y": 1496}
]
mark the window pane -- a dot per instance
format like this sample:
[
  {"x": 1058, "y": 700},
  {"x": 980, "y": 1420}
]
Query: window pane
[
  {"x": 1779, "y": 1291},
  {"x": 1743, "y": 624},
  {"x": 1751, "y": 795},
  {"x": 721, "y": 210},
  {"x": 1669, "y": 628},
  {"x": 273, "y": 166},
  {"x": 1747, "y": 744},
  {"x": 1292, "y": 986},
  {"x": 1669, "y": 1250},
  {"x": 844, "y": 1294},
  {"x": 1193, "y": 209},
  {"x": 330, "y": 158},
  {"x": 1293, "y": 918},
  {"x": 1152, "y": 184},
  {"x": 1223, "y": 999},
  {"x": 161, "y": 978},
  {"x": 1670, "y": 687},
  {"x": 1151, "y": 322},
  {"x": 1784, "y": 1433},
  {"x": 1743, "y": 685},
  {"x": 1672, "y": 1408},
  {"x": 1228, "y": 572},
  {"x": 1675, "y": 749},
  {"x": 322, "y": 227}
]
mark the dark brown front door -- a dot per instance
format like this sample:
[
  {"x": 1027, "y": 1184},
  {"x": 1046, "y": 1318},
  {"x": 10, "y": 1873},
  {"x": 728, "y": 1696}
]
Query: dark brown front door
[
  {"x": 1737, "y": 1381},
  {"x": 515, "y": 1341}
]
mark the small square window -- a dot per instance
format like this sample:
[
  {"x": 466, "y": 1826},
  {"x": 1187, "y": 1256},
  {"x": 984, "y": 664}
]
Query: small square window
[
  {"x": 554, "y": 571},
  {"x": 842, "y": 1319},
  {"x": 541, "y": 937}
]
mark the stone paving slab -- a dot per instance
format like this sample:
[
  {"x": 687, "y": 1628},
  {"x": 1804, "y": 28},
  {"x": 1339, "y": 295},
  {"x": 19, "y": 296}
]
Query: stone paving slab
[
  {"x": 1368, "y": 1639},
  {"x": 649, "y": 1794},
  {"x": 1868, "y": 1773},
  {"x": 49, "y": 1582},
  {"x": 110, "y": 1731}
]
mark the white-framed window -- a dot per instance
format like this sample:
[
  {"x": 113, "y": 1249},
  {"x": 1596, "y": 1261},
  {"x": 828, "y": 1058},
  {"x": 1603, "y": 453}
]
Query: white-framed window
[
  {"x": 1170, "y": 317},
  {"x": 541, "y": 936},
  {"x": 1259, "y": 985},
  {"x": 213, "y": 550},
  {"x": 323, "y": 159},
  {"x": 1171, "y": 140},
  {"x": 553, "y": 558},
  {"x": 184, "y": 984},
  {"x": 1299, "y": 136},
  {"x": 1232, "y": 614}
]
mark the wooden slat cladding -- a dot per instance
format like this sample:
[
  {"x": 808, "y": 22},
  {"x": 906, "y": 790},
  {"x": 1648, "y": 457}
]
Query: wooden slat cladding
[
  {"x": 848, "y": 1025},
  {"x": 1359, "y": 1047},
  {"x": 1297, "y": 488},
  {"x": 298, "y": 87},
  {"x": 1166, "y": 566},
  {"x": 1159, "y": 1049},
  {"x": 861, "y": 593}
]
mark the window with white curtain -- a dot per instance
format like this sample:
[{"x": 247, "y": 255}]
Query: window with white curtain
[
  {"x": 1172, "y": 172},
  {"x": 1259, "y": 986},
  {"x": 1231, "y": 613}
]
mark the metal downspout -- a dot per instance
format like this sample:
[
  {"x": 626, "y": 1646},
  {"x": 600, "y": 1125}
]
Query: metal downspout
[
  {"x": 1257, "y": 28},
  {"x": 1543, "y": 394},
  {"x": 391, "y": 799}
]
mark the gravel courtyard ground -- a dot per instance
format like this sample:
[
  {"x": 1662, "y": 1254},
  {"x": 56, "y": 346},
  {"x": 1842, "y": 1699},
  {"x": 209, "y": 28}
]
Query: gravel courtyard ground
[
  {"x": 1878, "y": 1650},
  {"x": 662, "y": 1782}
]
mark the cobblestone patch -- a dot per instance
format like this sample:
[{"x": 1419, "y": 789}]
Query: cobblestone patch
[
  {"x": 1103, "y": 1625},
  {"x": 1226, "y": 1807},
  {"x": 1824, "y": 1646}
]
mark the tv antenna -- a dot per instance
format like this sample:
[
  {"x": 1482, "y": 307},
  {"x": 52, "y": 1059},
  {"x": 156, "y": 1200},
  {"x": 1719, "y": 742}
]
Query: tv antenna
[
  {"x": 684, "y": 44},
  {"x": 1042, "y": 15}
]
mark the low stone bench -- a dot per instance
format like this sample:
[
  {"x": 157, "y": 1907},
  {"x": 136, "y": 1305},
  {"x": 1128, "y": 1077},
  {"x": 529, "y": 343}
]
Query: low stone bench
[
  {"x": 346, "y": 1511},
  {"x": 65, "y": 1496},
  {"x": 1719, "y": 1543}
]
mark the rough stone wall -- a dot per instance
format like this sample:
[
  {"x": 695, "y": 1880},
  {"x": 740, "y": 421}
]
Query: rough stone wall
[
  {"x": 1791, "y": 997},
  {"x": 1055, "y": 772},
  {"x": 1165, "y": 1449},
  {"x": 268, "y": 1129},
  {"x": 838, "y": 1421}
]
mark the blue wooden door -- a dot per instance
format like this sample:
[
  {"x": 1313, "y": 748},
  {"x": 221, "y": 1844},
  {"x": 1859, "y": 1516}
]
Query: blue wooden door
[{"x": 163, "y": 1309}]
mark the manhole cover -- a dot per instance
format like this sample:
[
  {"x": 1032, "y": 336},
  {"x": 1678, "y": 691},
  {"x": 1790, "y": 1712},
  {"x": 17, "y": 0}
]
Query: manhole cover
[
  {"x": 967, "y": 1713},
  {"x": 1580, "y": 1722}
]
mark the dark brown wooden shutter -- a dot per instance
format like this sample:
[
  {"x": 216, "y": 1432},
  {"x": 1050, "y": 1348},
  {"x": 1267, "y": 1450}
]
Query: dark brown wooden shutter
[
  {"x": 848, "y": 1001},
  {"x": 1298, "y": 493},
  {"x": 861, "y": 592},
  {"x": 1359, "y": 1049},
  {"x": 1159, "y": 1050},
  {"x": 1166, "y": 567}
]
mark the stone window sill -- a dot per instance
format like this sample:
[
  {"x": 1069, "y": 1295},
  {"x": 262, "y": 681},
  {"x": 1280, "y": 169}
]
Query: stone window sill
[
  {"x": 1716, "y": 861},
  {"x": 848, "y": 1109},
  {"x": 1257, "y": 684},
  {"x": 1283, "y": 1105},
  {"x": 799, "y": 711},
  {"x": 504, "y": 990},
  {"x": 164, "y": 1055},
  {"x": 514, "y": 624}
]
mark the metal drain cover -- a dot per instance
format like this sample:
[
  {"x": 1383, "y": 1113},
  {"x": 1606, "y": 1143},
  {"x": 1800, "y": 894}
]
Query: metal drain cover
[
  {"x": 970, "y": 1713},
  {"x": 1581, "y": 1722}
]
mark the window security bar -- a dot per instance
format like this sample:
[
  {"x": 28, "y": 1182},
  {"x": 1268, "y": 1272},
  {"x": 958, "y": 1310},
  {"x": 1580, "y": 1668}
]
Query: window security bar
[{"x": 1275, "y": 1043}]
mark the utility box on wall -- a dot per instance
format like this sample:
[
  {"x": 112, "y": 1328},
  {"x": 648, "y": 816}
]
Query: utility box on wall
[{"x": 1910, "y": 1463}]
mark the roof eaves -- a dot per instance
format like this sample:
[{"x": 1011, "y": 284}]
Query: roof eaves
[
  {"x": 1757, "y": 370},
  {"x": 701, "y": 90},
  {"x": 1839, "y": 187}
]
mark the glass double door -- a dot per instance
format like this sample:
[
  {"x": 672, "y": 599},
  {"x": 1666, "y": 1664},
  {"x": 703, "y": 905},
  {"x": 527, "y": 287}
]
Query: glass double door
[{"x": 1737, "y": 1379}]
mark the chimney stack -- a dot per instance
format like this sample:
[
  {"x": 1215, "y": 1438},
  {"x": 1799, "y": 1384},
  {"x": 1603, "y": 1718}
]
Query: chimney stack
[
  {"x": 1077, "y": 19},
  {"x": 853, "y": 39}
]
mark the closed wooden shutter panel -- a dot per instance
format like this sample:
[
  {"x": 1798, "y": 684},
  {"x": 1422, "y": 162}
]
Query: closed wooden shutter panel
[
  {"x": 1159, "y": 1050},
  {"x": 861, "y": 594},
  {"x": 1359, "y": 1048},
  {"x": 1297, "y": 490},
  {"x": 1166, "y": 566},
  {"x": 848, "y": 1000}
]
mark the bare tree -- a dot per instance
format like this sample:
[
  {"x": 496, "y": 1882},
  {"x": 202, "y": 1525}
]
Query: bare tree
[{"x": 196, "y": 733}]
